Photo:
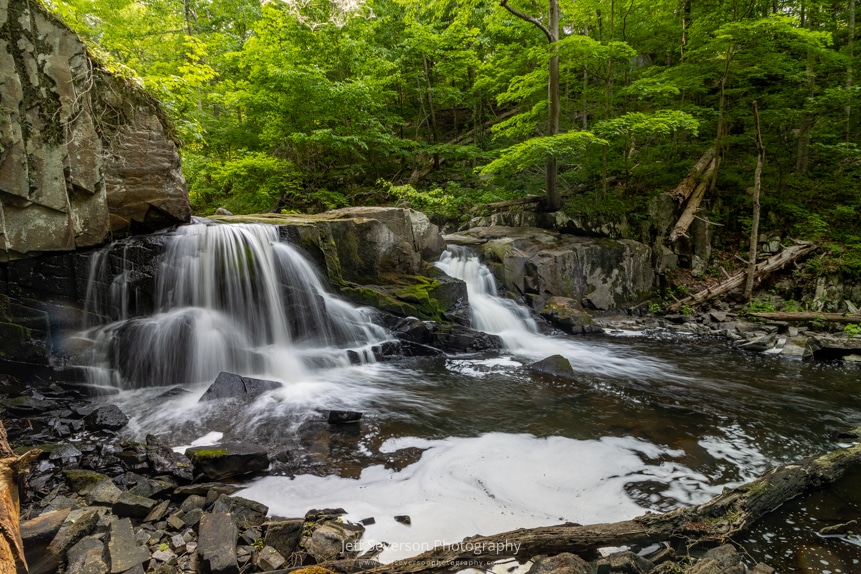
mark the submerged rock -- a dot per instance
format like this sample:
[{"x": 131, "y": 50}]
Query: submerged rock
[
  {"x": 555, "y": 366},
  {"x": 343, "y": 417},
  {"x": 231, "y": 386}
]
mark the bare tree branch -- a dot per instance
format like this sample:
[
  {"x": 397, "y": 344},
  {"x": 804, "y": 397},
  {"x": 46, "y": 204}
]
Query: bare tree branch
[{"x": 528, "y": 18}]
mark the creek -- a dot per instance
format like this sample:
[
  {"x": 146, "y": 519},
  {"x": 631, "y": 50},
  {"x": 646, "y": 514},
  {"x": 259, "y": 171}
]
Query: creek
[{"x": 462, "y": 444}]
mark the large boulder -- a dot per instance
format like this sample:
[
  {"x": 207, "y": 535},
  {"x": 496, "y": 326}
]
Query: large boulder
[
  {"x": 599, "y": 273},
  {"x": 226, "y": 460},
  {"x": 231, "y": 386},
  {"x": 82, "y": 153}
]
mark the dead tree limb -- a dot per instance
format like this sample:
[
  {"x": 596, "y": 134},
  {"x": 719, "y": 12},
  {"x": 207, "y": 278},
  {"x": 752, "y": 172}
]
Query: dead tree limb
[
  {"x": 693, "y": 205},
  {"x": 810, "y": 316},
  {"x": 729, "y": 514},
  {"x": 695, "y": 176},
  {"x": 764, "y": 268},
  {"x": 12, "y": 467},
  {"x": 754, "y": 225}
]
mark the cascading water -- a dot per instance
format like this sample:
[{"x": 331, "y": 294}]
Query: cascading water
[
  {"x": 227, "y": 298},
  {"x": 514, "y": 324}
]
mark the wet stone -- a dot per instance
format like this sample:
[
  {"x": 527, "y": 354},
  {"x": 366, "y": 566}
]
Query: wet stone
[
  {"x": 108, "y": 417},
  {"x": 560, "y": 564},
  {"x": 132, "y": 505},
  {"x": 157, "y": 512},
  {"x": 217, "y": 544},
  {"x": 124, "y": 550}
]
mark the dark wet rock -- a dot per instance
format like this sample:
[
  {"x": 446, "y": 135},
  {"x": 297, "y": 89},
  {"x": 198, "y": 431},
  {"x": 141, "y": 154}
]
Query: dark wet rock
[
  {"x": 622, "y": 562},
  {"x": 151, "y": 488},
  {"x": 132, "y": 505},
  {"x": 192, "y": 517},
  {"x": 82, "y": 481},
  {"x": 269, "y": 559},
  {"x": 108, "y": 417},
  {"x": 227, "y": 460},
  {"x": 343, "y": 417},
  {"x": 88, "y": 556},
  {"x": 164, "y": 460},
  {"x": 104, "y": 493},
  {"x": 332, "y": 540},
  {"x": 231, "y": 386},
  {"x": 283, "y": 535},
  {"x": 555, "y": 366},
  {"x": 566, "y": 563},
  {"x": 134, "y": 456},
  {"x": 368, "y": 521},
  {"x": 217, "y": 544},
  {"x": 403, "y": 519},
  {"x": 27, "y": 406},
  {"x": 124, "y": 550},
  {"x": 828, "y": 348},
  {"x": 245, "y": 513},
  {"x": 459, "y": 339}
]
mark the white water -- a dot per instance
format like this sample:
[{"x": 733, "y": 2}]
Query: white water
[
  {"x": 519, "y": 332},
  {"x": 228, "y": 298}
]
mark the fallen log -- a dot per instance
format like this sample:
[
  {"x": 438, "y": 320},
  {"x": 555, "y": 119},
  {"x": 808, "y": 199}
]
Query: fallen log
[
  {"x": 12, "y": 468},
  {"x": 693, "y": 205},
  {"x": 694, "y": 177},
  {"x": 728, "y": 514},
  {"x": 810, "y": 316},
  {"x": 764, "y": 268}
]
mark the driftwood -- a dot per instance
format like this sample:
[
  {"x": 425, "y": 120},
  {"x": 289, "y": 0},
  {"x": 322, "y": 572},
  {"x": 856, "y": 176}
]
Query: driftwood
[
  {"x": 694, "y": 177},
  {"x": 12, "y": 468},
  {"x": 810, "y": 316},
  {"x": 770, "y": 265},
  {"x": 728, "y": 514}
]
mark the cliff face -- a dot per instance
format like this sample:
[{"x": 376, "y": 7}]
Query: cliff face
[{"x": 82, "y": 154}]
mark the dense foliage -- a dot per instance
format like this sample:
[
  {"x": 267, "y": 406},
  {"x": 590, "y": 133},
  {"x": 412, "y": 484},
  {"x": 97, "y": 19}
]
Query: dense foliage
[{"x": 315, "y": 104}]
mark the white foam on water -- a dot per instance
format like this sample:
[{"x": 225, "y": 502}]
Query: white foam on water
[{"x": 482, "y": 485}]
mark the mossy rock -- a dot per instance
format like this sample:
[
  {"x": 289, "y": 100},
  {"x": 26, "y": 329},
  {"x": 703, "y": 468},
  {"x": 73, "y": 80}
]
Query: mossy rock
[
  {"x": 209, "y": 453},
  {"x": 81, "y": 481}
]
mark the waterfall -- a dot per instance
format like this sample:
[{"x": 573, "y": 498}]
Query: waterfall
[
  {"x": 516, "y": 327},
  {"x": 226, "y": 298}
]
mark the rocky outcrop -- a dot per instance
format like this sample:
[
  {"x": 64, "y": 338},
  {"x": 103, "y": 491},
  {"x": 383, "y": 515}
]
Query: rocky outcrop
[
  {"x": 598, "y": 273},
  {"x": 82, "y": 153}
]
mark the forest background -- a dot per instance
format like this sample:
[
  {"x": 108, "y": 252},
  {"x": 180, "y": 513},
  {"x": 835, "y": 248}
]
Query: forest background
[{"x": 442, "y": 105}]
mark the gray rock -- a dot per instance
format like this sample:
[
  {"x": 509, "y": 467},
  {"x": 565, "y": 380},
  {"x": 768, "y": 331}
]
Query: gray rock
[
  {"x": 227, "y": 460},
  {"x": 566, "y": 563},
  {"x": 231, "y": 386},
  {"x": 132, "y": 505},
  {"x": 37, "y": 533},
  {"x": 283, "y": 535},
  {"x": 830, "y": 348},
  {"x": 625, "y": 561},
  {"x": 88, "y": 556},
  {"x": 192, "y": 517},
  {"x": 343, "y": 417},
  {"x": 333, "y": 540},
  {"x": 567, "y": 315},
  {"x": 245, "y": 513},
  {"x": 727, "y": 558},
  {"x": 269, "y": 559},
  {"x": 217, "y": 544},
  {"x": 124, "y": 550},
  {"x": 157, "y": 512},
  {"x": 104, "y": 493},
  {"x": 81, "y": 481},
  {"x": 193, "y": 502}
]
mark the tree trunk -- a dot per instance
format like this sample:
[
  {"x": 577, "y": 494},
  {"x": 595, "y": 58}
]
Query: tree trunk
[
  {"x": 12, "y": 468},
  {"x": 552, "y": 200},
  {"x": 727, "y": 515},
  {"x": 772, "y": 264},
  {"x": 754, "y": 225},
  {"x": 721, "y": 105},
  {"x": 850, "y": 45},
  {"x": 429, "y": 92}
]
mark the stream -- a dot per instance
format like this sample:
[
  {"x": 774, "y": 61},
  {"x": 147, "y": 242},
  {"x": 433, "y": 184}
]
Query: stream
[{"x": 463, "y": 444}]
